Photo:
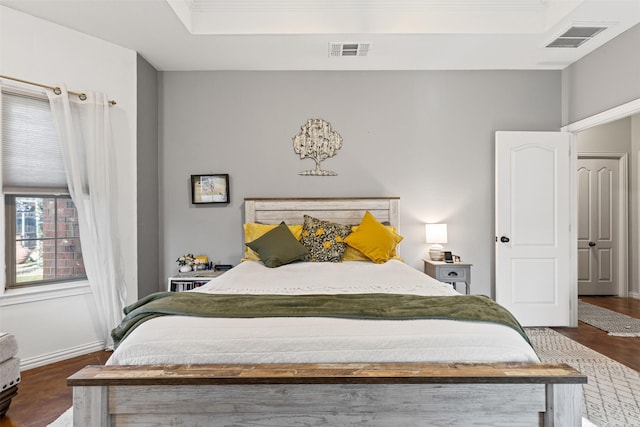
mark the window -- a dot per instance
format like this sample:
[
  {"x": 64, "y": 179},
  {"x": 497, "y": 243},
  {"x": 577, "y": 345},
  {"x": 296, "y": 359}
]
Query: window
[
  {"x": 47, "y": 242},
  {"x": 42, "y": 243}
]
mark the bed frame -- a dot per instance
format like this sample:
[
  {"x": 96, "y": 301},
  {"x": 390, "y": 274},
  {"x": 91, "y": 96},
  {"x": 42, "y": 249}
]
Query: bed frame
[
  {"x": 371, "y": 394},
  {"x": 340, "y": 210}
]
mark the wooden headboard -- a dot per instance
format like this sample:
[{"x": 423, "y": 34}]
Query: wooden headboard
[{"x": 342, "y": 210}]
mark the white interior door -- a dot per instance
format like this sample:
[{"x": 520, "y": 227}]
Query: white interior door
[
  {"x": 598, "y": 226},
  {"x": 535, "y": 269}
]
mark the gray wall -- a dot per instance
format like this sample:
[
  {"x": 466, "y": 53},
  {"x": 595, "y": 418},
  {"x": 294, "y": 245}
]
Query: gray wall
[
  {"x": 427, "y": 137},
  {"x": 606, "y": 78},
  {"x": 616, "y": 137},
  {"x": 634, "y": 211},
  {"x": 147, "y": 178},
  {"x": 613, "y": 137}
]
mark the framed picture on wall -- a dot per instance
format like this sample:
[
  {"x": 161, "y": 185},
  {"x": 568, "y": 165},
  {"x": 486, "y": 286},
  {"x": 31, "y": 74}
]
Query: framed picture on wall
[{"x": 212, "y": 188}]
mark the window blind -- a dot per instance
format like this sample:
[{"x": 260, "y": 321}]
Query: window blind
[{"x": 31, "y": 156}]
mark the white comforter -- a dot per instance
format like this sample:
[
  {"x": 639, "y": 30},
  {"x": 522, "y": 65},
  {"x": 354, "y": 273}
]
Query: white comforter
[{"x": 193, "y": 340}]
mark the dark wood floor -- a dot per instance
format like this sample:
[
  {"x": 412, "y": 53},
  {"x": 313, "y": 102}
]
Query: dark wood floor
[
  {"x": 43, "y": 394},
  {"x": 624, "y": 350}
]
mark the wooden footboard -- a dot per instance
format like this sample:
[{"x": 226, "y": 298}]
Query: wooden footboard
[{"x": 371, "y": 394}]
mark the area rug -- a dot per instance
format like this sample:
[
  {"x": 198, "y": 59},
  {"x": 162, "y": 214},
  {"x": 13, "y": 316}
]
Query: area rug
[
  {"x": 64, "y": 420},
  {"x": 616, "y": 324},
  {"x": 611, "y": 398}
]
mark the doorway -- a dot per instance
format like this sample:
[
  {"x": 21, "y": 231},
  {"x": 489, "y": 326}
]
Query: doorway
[{"x": 602, "y": 225}]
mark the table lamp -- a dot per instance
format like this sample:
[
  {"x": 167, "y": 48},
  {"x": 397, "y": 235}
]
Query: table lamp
[{"x": 436, "y": 234}]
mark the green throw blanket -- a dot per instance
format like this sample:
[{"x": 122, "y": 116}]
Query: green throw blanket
[{"x": 349, "y": 306}]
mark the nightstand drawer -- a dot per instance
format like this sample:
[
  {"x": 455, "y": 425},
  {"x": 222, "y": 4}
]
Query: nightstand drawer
[
  {"x": 449, "y": 273},
  {"x": 452, "y": 274}
]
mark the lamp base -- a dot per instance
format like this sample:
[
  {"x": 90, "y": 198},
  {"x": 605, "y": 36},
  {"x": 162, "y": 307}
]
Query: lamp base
[{"x": 435, "y": 253}]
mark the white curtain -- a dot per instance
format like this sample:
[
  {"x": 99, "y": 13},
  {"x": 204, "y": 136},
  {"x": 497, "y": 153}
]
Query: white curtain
[{"x": 84, "y": 129}]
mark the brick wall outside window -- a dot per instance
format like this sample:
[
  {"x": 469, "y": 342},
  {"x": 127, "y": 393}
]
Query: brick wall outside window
[{"x": 70, "y": 262}]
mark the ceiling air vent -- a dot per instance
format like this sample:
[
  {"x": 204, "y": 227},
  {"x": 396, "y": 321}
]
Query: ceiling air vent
[
  {"x": 576, "y": 36},
  {"x": 349, "y": 49}
]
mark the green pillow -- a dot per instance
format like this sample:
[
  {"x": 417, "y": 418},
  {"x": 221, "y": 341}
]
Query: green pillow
[{"x": 279, "y": 247}]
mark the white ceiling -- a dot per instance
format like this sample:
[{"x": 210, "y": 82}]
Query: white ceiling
[{"x": 295, "y": 34}]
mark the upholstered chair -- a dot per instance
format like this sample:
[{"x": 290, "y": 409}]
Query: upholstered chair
[{"x": 9, "y": 370}]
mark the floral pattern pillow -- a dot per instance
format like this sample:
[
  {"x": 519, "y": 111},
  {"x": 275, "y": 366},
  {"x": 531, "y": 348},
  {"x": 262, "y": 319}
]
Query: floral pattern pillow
[{"x": 324, "y": 239}]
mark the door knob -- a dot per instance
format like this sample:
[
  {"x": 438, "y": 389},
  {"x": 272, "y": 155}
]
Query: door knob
[
  {"x": 592, "y": 244},
  {"x": 504, "y": 239}
]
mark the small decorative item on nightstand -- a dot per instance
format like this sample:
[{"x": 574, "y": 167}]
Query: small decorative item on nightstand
[
  {"x": 189, "y": 262},
  {"x": 184, "y": 262}
]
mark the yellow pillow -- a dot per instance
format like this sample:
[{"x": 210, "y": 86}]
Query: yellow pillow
[
  {"x": 377, "y": 242},
  {"x": 253, "y": 230},
  {"x": 353, "y": 254}
]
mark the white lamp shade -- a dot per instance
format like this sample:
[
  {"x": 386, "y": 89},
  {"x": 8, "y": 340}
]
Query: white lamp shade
[{"x": 436, "y": 233}]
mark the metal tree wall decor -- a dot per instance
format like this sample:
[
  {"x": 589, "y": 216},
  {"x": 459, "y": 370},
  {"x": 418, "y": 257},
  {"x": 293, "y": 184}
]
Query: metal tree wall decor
[{"x": 318, "y": 141}]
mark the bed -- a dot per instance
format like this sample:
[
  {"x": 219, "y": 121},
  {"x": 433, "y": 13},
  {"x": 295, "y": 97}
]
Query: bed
[{"x": 327, "y": 368}]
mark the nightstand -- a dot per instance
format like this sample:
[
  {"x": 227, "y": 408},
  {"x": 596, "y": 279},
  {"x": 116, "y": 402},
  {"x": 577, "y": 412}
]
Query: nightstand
[
  {"x": 449, "y": 272},
  {"x": 191, "y": 280}
]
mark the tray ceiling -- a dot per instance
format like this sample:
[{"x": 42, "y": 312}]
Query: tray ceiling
[{"x": 299, "y": 34}]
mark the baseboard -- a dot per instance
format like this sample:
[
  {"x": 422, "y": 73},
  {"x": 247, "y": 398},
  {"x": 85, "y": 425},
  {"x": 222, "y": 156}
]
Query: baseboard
[
  {"x": 46, "y": 359},
  {"x": 633, "y": 295}
]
